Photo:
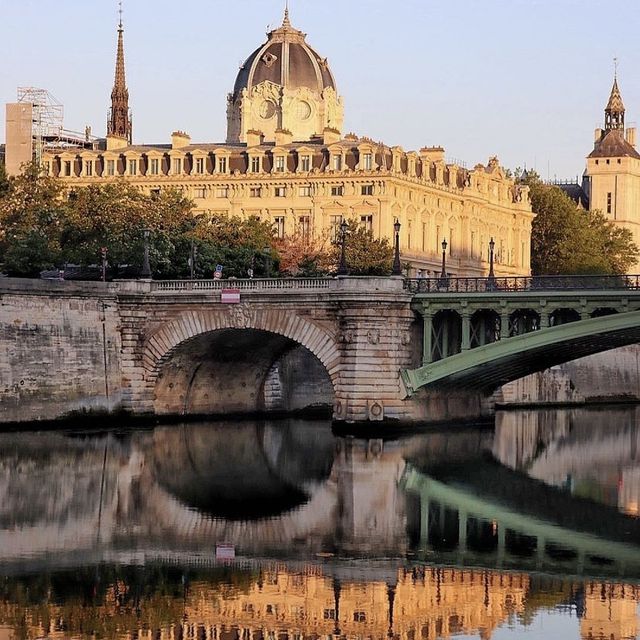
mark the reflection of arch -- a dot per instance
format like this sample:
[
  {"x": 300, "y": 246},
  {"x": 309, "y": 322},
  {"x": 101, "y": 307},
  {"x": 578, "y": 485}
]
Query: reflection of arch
[
  {"x": 523, "y": 321},
  {"x": 485, "y": 327},
  {"x": 447, "y": 334},
  {"x": 563, "y": 316},
  {"x": 160, "y": 346}
]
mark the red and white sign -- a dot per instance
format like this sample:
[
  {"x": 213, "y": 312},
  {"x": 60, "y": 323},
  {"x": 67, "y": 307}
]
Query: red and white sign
[{"x": 230, "y": 296}]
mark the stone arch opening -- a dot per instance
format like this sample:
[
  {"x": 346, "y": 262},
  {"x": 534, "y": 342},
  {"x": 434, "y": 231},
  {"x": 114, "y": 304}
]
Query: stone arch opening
[
  {"x": 240, "y": 370},
  {"x": 603, "y": 311},
  {"x": 523, "y": 321},
  {"x": 485, "y": 327}
]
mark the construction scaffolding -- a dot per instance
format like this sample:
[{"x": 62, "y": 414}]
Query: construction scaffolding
[{"x": 47, "y": 116}]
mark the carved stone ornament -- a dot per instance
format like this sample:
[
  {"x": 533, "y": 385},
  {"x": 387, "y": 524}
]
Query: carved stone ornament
[
  {"x": 268, "y": 91},
  {"x": 346, "y": 337},
  {"x": 373, "y": 336},
  {"x": 239, "y": 316}
]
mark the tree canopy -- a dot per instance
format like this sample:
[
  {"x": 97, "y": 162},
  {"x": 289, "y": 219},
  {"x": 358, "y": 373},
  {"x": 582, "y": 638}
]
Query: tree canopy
[{"x": 568, "y": 240}]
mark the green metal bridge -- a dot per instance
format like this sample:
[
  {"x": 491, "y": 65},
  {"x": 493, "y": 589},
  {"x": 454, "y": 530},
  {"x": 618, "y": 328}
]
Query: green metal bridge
[{"x": 480, "y": 333}]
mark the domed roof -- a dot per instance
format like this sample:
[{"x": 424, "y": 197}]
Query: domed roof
[{"x": 285, "y": 59}]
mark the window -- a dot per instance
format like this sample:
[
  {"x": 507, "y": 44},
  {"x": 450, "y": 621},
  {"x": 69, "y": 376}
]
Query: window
[
  {"x": 608, "y": 161},
  {"x": 359, "y": 616},
  {"x": 278, "y": 223},
  {"x": 280, "y": 192},
  {"x": 222, "y": 192},
  {"x": 329, "y": 614},
  {"x": 67, "y": 167},
  {"x": 304, "y": 192},
  {"x": 111, "y": 167},
  {"x": 337, "y": 162},
  {"x": 367, "y": 222},
  {"x": 222, "y": 165},
  {"x": 335, "y": 228},
  {"x": 366, "y": 189},
  {"x": 88, "y": 168},
  {"x": 279, "y": 164},
  {"x": 133, "y": 167},
  {"x": 255, "y": 192},
  {"x": 304, "y": 225},
  {"x": 305, "y": 163},
  {"x": 337, "y": 190},
  {"x": 177, "y": 166},
  {"x": 367, "y": 162},
  {"x": 609, "y": 202},
  {"x": 199, "y": 165},
  {"x": 200, "y": 192},
  {"x": 255, "y": 164},
  {"x": 154, "y": 166}
]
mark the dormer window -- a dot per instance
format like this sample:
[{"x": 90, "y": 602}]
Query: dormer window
[
  {"x": 177, "y": 166},
  {"x": 199, "y": 166},
  {"x": 255, "y": 164},
  {"x": 367, "y": 161},
  {"x": 133, "y": 167},
  {"x": 88, "y": 168},
  {"x": 111, "y": 167},
  {"x": 305, "y": 163},
  {"x": 337, "y": 162},
  {"x": 222, "y": 164},
  {"x": 279, "y": 164},
  {"x": 154, "y": 166}
]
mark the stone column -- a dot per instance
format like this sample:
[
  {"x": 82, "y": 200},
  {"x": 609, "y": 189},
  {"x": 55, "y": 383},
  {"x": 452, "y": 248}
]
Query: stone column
[
  {"x": 466, "y": 330},
  {"x": 427, "y": 339},
  {"x": 504, "y": 324}
]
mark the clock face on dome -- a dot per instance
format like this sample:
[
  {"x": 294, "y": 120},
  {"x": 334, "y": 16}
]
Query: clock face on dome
[
  {"x": 267, "y": 109},
  {"x": 302, "y": 110}
]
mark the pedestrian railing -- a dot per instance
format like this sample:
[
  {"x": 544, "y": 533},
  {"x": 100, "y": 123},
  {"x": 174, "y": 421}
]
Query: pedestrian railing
[
  {"x": 253, "y": 284},
  {"x": 450, "y": 284}
]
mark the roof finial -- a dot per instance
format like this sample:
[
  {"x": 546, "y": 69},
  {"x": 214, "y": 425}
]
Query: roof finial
[
  {"x": 285, "y": 21},
  {"x": 120, "y": 12},
  {"x": 615, "y": 68}
]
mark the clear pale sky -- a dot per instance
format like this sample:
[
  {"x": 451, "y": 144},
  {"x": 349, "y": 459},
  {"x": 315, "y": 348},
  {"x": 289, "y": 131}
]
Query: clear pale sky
[{"x": 526, "y": 80}]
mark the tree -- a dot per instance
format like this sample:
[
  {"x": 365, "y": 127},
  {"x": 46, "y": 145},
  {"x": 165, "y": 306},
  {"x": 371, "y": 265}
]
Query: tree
[
  {"x": 305, "y": 256},
  {"x": 567, "y": 240},
  {"x": 32, "y": 212},
  {"x": 365, "y": 255}
]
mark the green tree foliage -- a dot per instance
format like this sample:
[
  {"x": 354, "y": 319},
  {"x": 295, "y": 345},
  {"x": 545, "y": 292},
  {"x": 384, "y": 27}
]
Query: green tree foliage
[
  {"x": 365, "y": 255},
  {"x": 568, "y": 240}
]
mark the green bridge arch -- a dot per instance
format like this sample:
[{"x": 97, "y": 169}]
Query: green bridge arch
[{"x": 490, "y": 366}]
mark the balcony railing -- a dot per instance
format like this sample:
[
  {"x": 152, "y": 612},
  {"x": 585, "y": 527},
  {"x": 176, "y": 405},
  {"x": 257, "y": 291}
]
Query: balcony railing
[
  {"x": 254, "y": 284},
  {"x": 450, "y": 284}
]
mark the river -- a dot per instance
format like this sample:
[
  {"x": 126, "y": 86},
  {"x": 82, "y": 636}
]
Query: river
[{"x": 283, "y": 530}]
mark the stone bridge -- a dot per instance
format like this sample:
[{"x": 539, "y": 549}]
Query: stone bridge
[{"x": 372, "y": 348}]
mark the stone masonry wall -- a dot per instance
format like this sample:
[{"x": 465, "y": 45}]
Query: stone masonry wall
[{"x": 59, "y": 349}]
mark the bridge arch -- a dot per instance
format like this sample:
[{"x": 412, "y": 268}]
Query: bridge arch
[{"x": 218, "y": 360}]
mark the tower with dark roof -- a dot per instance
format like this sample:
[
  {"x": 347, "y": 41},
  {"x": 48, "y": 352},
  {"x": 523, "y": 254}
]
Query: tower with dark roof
[
  {"x": 119, "y": 119},
  {"x": 612, "y": 177}
]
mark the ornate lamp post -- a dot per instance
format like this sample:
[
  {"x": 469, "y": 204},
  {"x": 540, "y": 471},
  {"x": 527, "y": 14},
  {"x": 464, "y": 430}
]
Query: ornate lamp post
[
  {"x": 443, "y": 273},
  {"x": 491, "y": 281},
  {"x": 146, "y": 268},
  {"x": 397, "y": 267},
  {"x": 342, "y": 267}
]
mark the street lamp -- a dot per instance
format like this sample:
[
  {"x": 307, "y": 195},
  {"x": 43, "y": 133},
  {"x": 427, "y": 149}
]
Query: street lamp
[
  {"x": 397, "y": 267},
  {"x": 443, "y": 273},
  {"x": 146, "y": 268},
  {"x": 103, "y": 255},
  {"x": 492, "y": 246},
  {"x": 342, "y": 267}
]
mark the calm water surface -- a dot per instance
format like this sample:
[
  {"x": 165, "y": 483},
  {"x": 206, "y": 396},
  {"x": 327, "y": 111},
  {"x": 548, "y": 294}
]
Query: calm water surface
[{"x": 280, "y": 530}]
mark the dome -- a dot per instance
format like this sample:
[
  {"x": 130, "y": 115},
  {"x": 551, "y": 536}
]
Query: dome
[{"x": 287, "y": 60}]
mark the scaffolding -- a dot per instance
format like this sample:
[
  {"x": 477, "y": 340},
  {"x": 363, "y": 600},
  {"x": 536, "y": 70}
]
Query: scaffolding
[{"x": 47, "y": 117}]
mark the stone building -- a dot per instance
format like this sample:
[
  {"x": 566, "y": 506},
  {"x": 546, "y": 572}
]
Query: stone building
[{"x": 285, "y": 160}]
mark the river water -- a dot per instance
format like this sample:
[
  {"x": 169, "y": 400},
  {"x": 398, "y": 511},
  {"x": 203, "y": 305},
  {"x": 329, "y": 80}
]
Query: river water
[{"x": 283, "y": 530}]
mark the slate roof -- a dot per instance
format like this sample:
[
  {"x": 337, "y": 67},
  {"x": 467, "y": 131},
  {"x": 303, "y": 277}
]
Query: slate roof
[{"x": 613, "y": 145}]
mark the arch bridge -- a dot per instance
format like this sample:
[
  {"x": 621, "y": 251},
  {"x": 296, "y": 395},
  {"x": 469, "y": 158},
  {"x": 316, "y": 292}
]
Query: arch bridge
[{"x": 480, "y": 333}]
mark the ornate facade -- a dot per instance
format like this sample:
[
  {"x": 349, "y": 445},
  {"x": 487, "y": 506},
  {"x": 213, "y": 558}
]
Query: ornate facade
[{"x": 286, "y": 161}]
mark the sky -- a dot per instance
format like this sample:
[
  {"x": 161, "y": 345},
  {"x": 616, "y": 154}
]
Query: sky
[{"x": 526, "y": 80}]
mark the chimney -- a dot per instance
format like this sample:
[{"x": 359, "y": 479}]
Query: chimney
[
  {"x": 180, "y": 139},
  {"x": 330, "y": 136},
  {"x": 631, "y": 136},
  {"x": 283, "y": 136},
  {"x": 254, "y": 138},
  {"x": 597, "y": 135}
]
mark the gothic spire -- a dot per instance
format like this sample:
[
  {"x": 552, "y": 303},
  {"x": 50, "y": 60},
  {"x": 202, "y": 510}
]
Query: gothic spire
[
  {"x": 614, "y": 111},
  {"x": 119, "y": 121}
]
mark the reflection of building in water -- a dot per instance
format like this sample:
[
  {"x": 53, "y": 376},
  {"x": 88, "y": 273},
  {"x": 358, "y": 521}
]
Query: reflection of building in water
[{"x": 423, "y": 602}]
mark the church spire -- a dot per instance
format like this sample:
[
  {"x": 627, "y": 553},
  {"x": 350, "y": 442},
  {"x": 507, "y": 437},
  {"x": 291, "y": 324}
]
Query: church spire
[
  {"x": 614, "y": 111},
  {"x": 286, "y": 22},
  {"x": 119, "y": 120}
]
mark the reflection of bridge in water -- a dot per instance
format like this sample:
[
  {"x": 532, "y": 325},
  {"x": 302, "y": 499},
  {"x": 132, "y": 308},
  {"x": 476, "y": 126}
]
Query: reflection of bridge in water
[{"x": 269, "y": 487}]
